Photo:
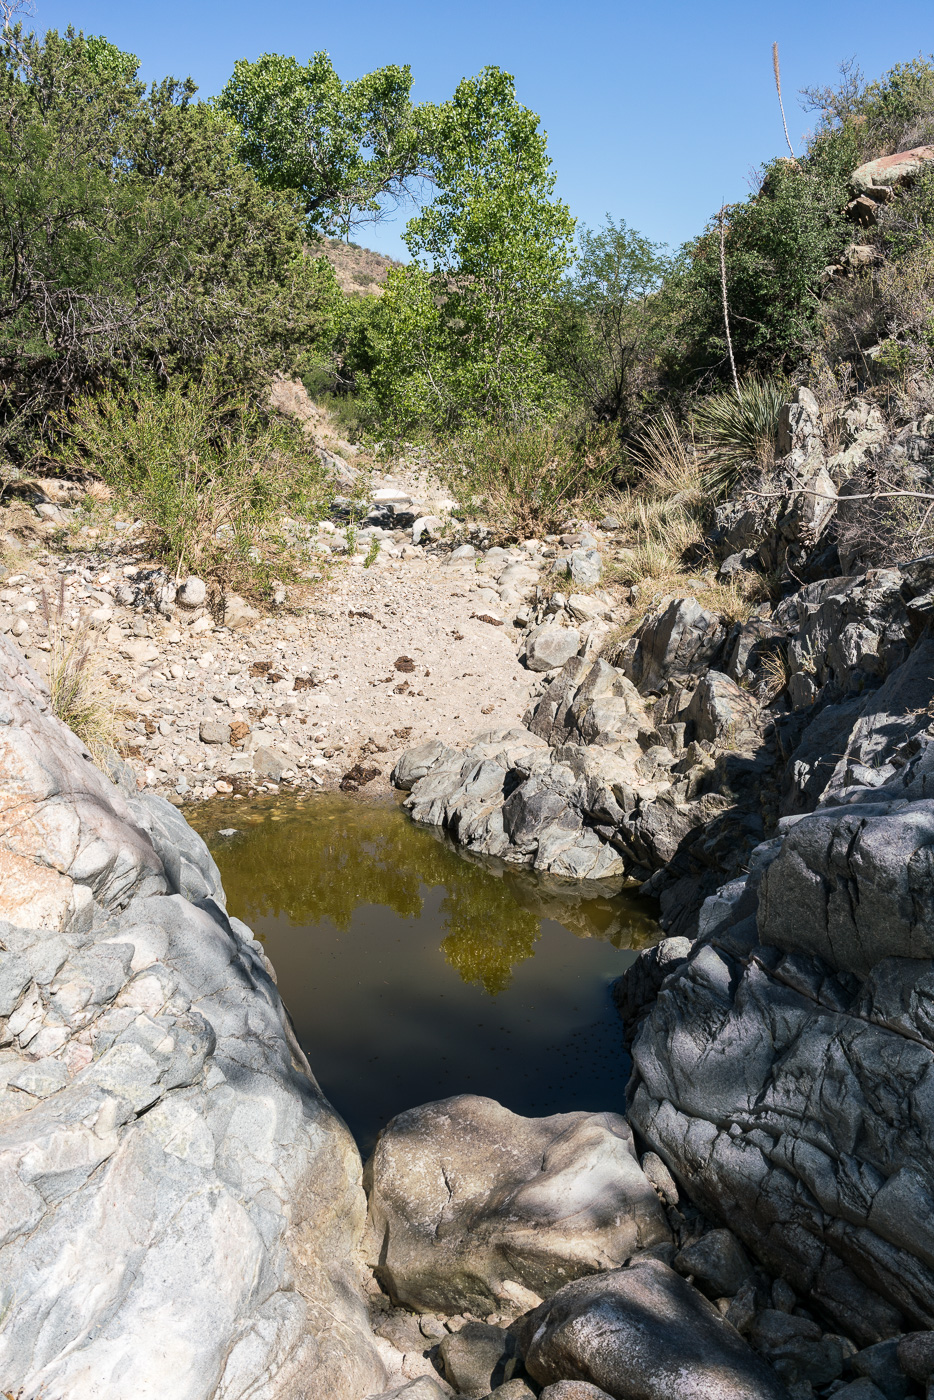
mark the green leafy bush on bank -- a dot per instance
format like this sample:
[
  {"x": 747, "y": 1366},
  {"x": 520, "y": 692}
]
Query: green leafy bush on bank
[{"x": 208, "y": 472}]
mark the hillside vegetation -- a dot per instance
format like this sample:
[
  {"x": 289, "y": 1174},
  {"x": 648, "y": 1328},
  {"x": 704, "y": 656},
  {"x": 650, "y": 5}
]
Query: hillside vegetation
[{"x": 161, "y": 250}]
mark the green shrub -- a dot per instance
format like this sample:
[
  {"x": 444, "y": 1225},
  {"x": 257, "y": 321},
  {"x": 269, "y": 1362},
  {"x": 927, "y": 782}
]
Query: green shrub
[
  {"x": 209, "y": 473},
  {"x": 776, "y": 246},
  {"x": 131, "y": 239}
]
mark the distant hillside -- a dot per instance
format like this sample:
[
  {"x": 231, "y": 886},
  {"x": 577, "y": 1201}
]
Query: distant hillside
[{"x": 358, "y": 269}]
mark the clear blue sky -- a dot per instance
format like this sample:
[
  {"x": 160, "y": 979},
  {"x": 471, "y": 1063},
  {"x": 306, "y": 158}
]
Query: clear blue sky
[{"x": 656, "y": 112}]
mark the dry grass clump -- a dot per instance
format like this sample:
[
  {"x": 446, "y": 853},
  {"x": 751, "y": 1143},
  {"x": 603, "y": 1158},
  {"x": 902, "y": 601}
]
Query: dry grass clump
[
  {"x": 75, "y": 682},
  {"x": 680, "y": 476},
  {"x": 529, "y": 478}
]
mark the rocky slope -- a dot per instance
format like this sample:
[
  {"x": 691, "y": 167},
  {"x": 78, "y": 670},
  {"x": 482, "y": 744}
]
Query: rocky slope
[
  {"x": 671, "y": 761},
  {"x": 178, "y": 1199},
  {"x": 781, "y": 1043}
]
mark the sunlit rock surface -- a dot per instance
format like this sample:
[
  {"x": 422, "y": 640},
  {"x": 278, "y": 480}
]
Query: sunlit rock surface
[{"x": 180, "y": 1208}]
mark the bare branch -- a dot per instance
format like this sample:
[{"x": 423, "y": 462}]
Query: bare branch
[{"x": 726, "y": 312}]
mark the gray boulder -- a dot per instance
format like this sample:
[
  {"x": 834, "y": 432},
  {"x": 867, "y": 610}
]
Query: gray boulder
[
  {"x": 466, "y": 1200},
  {"x": 915, "y": 1355},
  {"x": 717, "y": 1261},
  {"x": 796, "y": 1347},
  {"x": 885, "y": 852},
  {"x": 192, "y": 593},
  {"x": 270, "y": 763},
  {"x": 799, "y": 423},
  {"x": 475, "y": 1358},
  {"x": 549, "y": 646},
  {"x": 585, "y": 568},
  {"x": 516, "y": 1389},
  {"x": 724, "y": 714},
  {"x": 880, "y": 1365},
  {"x": 678, "y": 640},
  {"x": 861, "y": 1389},
  {"x": 642, "y": 1332},
  {"x": 213, "y": 731},
  {"x": 417, "y": 763},
  {"x": 179, "y": 1203},
  {"x": 591, "y": 702},
  {"x": 573, "y": 1390}
]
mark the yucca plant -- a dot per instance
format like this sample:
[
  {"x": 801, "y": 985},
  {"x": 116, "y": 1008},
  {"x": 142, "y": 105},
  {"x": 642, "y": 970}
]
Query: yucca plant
[{"x": 734, "y": 429}]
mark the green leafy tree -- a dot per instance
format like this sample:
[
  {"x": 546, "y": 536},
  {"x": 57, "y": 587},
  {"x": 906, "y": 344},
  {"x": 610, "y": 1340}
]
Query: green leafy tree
[
  {"x": 131, "y": 238},
  {"x": 461, "y": 331},
  {"x": 346, "y": 148},
  {"x": 607, "y": 333}
]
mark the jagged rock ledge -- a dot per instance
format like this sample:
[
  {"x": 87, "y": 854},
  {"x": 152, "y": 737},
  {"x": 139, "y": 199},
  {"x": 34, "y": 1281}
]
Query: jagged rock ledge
[{"x": 179, "y": 1204}]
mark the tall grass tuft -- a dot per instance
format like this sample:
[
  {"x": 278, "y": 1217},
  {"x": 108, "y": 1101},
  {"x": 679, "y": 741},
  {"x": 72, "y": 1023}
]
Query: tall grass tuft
[{"x": 75, "y": 681}]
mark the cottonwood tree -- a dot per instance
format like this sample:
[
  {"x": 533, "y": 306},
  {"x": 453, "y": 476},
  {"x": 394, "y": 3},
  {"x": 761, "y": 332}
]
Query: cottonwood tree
[
  {"x": 349, "y": 149},
  {"x": 461, "y": 330}
]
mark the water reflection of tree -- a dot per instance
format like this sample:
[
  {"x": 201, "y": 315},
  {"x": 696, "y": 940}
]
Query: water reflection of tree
[{"x": 324, "y": 857}]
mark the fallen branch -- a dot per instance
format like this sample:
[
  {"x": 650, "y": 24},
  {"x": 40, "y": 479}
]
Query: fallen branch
[{"x": 823, "y": 496}]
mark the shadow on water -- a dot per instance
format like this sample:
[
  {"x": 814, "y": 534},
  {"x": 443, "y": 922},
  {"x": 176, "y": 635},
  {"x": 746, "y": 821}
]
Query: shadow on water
[{"x": 413, "y": 971}]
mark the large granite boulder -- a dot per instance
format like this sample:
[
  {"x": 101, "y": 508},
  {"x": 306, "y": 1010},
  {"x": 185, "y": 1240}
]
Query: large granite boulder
[
  {"x": 472, "y": 1207},
  {"x": 784, "y": 1070},
  {"x": 642, "y": 1333},
  {"x": 180, "y": 1208},
  {"x": 886, "y": 171}
]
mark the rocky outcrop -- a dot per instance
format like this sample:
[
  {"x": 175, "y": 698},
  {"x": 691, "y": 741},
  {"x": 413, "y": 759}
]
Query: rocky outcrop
[
  {"x": 781, "y": 1069},
  {"x": 179, "y": 1204},
  {"x": 473, "y": 1208}
]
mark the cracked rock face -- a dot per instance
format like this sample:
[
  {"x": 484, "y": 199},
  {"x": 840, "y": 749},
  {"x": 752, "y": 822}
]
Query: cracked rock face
[
  {"x": 784, "y": 1068},
  {"x": 177, "y": 1198},
  {"x": 473, "y": 1208}
]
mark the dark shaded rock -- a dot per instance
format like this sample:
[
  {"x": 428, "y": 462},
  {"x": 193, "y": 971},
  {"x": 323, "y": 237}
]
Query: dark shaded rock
[
  {"x": 915, "y": 1355},
  {"x": 880, "y": 1364},
  {"x": 717, "y": 1261},
  {"x": 642, "y": 1332},
  {"x": 475, "y": 1358},
  {"x": 797, "y": 1347}
]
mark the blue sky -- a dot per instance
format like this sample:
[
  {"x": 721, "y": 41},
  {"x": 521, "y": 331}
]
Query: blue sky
[{"x": 655, "y": 112}]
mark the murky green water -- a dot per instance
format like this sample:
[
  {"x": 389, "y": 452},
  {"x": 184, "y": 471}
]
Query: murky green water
[{"x": 413, "y": 972}]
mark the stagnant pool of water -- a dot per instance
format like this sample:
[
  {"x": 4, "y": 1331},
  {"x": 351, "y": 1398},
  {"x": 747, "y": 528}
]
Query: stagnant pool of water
[{"x": 413, "y": 971}]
